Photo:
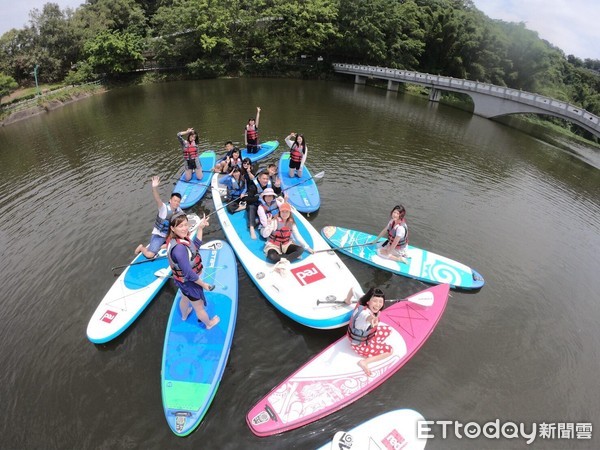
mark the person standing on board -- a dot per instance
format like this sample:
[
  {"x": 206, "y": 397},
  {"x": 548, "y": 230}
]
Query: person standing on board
[
  {"x": 186, "y": 263},
  {"x": 279, "y": 232},
  {"x": 191, "y": 154},
  {"x": 260, "y": 183},
  {"x": 367, "y": 337},
  {"x": 251, "y": 133},
  {"x": 161, "y": 223},
  {"x": 394, "y": 247},
  {"x": 298, "y": 153}
]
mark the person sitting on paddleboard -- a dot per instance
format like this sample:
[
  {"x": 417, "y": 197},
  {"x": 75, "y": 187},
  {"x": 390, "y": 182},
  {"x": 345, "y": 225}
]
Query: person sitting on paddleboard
[
  {"x": 236, "y": 190},
  {"x": 222, "y": 163},
  {"x": 186, "y": 263},
  {"x": 247, "y": 171},
  {"x": 191, "y": 155},
  {"x": 367, "y": 337},
  {"x": 298, "y": 153},
  {"x": 251, "y": 133},
  {"x": 397, "y": 236},
  {"x": 260, "y": 183},
  {"x": 268, "y": 210},
  {"x": 281, "y": 229},
  {"x": 161, "y": 223},
  {"x": 272, "y": 171}
]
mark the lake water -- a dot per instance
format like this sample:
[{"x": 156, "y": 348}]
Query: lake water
[{"x": 75, "y": 200}]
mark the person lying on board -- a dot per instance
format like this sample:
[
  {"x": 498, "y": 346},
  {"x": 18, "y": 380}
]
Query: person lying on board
[
  {"x": 394, "y": 247},
  {"x": 161, "y": 223},
  {"x": 191, "y": 155},
  {"x": 221, "y": 164},
  {"x": 367, "y": 337},
  {"x": 186, "y": 263},
  {"x": 260, "y": 183},
  {"x": 298, "y": 153},
  {"x": 236, "y": 190},
  {"x": 280, "y": 229},
  {"x": 251, "y": 133}
]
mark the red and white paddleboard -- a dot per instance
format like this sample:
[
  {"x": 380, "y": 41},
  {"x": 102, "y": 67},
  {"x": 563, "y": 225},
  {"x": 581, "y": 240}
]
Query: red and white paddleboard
[
  {"x": 333, "y": 379},
  {"x": 393, "y": 430}
]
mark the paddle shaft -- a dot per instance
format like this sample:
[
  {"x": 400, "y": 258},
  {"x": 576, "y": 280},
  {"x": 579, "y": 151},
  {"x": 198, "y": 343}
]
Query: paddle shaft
[
  {"x": 136, "y": 263},
  {"x": 339, "y": 302},
  {"x": 343, "y": 248}
]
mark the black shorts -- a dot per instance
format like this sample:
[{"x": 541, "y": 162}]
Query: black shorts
[
  {"x": 191, "y": 164},
  {"x": 252, "y": 147},
  {"x": 295, "y": 165}
]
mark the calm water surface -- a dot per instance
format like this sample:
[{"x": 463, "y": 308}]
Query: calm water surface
[{"x": 75, "y": 200}]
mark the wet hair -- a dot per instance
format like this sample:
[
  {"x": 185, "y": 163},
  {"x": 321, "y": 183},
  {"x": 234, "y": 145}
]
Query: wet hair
[
  {"x": 176, "y": 194},
  {"x": 398, "y": 208},
  {"x": 373, "y": 292}
]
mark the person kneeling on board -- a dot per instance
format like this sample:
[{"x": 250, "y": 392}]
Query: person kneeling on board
[
  {"x": 186, "y": 264},
  {"x": 394, "y": 247},
  {"x": 367, "y": 337},
  {"x": 161, "y": 223},
  {"x": 279, "y": 238}
]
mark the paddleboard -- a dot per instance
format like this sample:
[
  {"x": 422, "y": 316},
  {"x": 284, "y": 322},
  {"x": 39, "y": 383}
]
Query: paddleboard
[
  {"x": 265, "y": 149},
  {"x": 193, "y": 190},
  {"x": 194, "y": 358},
  {"x": 395, "y": 429},
  {"x": 293, "y": 291},
  {"x": 130, "y": 294},
  {"x": 302, "y": 192},
  {"x": 333, "y": 379},
  {"x": 421, "y": 264}
]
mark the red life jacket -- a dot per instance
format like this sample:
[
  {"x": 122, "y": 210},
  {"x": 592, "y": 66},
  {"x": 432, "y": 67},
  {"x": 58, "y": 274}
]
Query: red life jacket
[
  {"x": 297, "y": 152},
  {"x": 357, "y": 336},
  {"x": 392, "y": 234},
  {"x": 282, "y": 235},
  {"x": 190, "y": 151},
  {"x": 193, "y": 254},
  {"x": 251, "y": 133}
]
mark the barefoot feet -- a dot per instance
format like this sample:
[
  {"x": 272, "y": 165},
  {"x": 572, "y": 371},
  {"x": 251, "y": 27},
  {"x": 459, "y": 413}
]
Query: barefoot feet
[{"x": 364, "y": 366}]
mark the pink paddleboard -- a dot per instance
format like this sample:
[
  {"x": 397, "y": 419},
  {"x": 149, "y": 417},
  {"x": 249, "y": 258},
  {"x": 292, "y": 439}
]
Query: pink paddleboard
[{"x": 332, "y": 379}]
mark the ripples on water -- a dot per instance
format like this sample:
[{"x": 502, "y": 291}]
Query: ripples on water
[{"x": 76, "y": 200}]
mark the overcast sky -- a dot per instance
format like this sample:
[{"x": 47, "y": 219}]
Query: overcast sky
[{"x": 571, "y": 25}]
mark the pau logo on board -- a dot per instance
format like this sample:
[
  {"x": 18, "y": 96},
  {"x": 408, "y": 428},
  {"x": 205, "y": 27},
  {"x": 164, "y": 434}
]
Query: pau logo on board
[
  {"x": 394, "y": 441},
  {"x": 108, "y": 316},
  {"x": 307, "y": 274}
]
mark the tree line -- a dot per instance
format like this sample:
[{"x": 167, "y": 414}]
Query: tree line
[{"x": 212, "y": 38}]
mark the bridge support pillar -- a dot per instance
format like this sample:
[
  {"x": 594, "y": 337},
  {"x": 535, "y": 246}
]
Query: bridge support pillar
[
  {"x": 434, "y": 95},
  {"x": 392, "y": 86},
  {"x": 360, "y": 80}
]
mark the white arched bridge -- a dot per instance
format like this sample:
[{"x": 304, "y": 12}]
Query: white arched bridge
[{"x": 489, "y": 100}]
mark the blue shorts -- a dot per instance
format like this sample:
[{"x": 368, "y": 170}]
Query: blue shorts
[{"x": 156, "y": 243}]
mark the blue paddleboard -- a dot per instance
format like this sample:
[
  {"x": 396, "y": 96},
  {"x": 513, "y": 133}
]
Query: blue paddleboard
[
  {"x": 193, "y": 190},
  {"x": 194, "y": 358},
  {"x": 266, "y": 148},
  {"x": 302, "y": 191},
  {"x": 421, "y": 264}
]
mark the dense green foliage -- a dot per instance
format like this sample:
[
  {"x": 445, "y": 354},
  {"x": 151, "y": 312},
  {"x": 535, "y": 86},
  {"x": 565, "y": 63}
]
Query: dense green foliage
[
  {"x": 211, "y": 38},
  {"x": 7, "y": 85}
]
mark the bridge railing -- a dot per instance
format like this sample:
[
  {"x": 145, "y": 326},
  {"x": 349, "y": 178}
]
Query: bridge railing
[{"x": 457, "y": 84}]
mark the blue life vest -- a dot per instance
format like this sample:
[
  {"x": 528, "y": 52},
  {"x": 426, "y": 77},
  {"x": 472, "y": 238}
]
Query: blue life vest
[
  {"x": 235, "y": 189},
  {"x": 272, "y": 209},
  {"x": 162, "y": 225}
]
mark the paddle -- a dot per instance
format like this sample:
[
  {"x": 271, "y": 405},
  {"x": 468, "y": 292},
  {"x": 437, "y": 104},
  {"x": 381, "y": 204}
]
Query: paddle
[
  {"x": 138, "y": 262},
  {"x": 423, "y": 299},
  {"x": 343, "y": 248}
]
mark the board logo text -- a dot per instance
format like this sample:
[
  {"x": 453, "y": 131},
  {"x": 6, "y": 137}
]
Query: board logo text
[{"x": 307, "y": 274}]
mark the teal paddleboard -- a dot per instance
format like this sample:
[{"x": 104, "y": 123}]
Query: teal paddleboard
[
  {"x": 194, "y": 358},
  {"x": 193, "y": 190},
  {"x": 421, "y": 264}
]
